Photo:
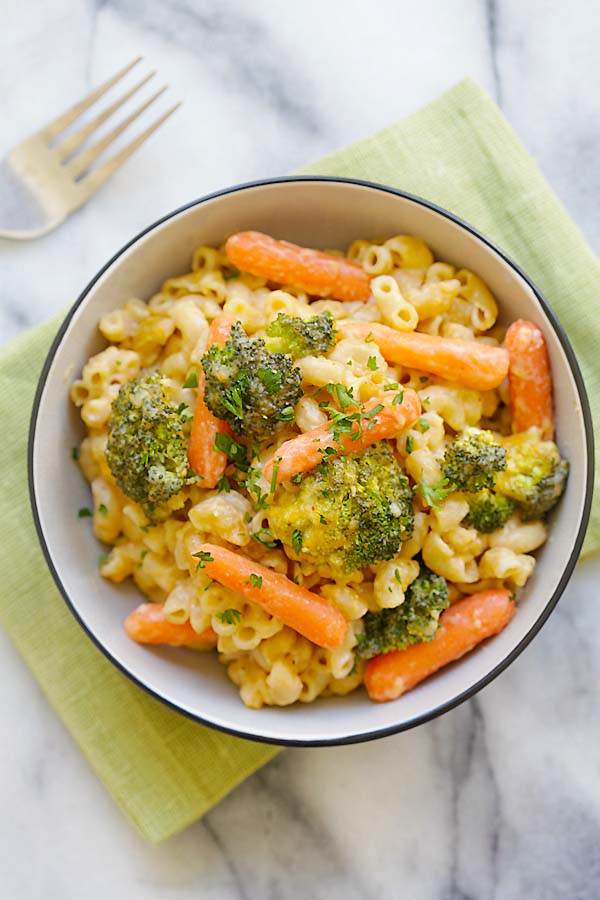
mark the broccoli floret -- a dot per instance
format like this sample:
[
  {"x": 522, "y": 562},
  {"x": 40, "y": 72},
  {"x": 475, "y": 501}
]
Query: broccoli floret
[
  {"x": 488, "y": 511},
  {"x": 535, "y": 475},
  {"x": 146, "y": 450},
  {"x": 350, "y": 512},
  {"x": 472, "y": 459},
  {"x": 301, "y": 337},
  {"x": 249, "y": 387},
  {"x": 414, "y": 621}
]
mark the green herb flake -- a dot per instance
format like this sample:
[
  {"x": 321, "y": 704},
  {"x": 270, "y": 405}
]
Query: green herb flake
[
  {"x": 274, "y": 474},
  {"x": 223, "y": 484},
  {"x": 297, "y": 478},
  {"x": 286, "y": 414},
  {"x": 433, "y": 494},
  {"x": 203, "y": 556},
  {"x": 75, "y": 453},
  {"x": 423, "y": 378},
  {"x": 270, "y": 379},
  {"x": 424, "y": 425},
  {"x": 398, "y": 399},
  {"x": 102, "y": 510},
  {"x": 255, "y": 581},
  {"x": 297, "y": 541},
  {"x": 265, "y": 538},
  {"x": 192, "y": 380},
  {"x": 232, "y": 401},
  {"x": 236, "y": 452},
  {"x": 230, "y": 616},
  {"x": 85, "y": 513},
  {"x": 372, "y": 363},
  {"x": 410, "y": 444},
  {"x": 397, "y": 576},
  {"x": 391, "y": 386}
]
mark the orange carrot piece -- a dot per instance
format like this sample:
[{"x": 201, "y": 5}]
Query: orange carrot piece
[
  {"x": 147, "y": 625},
  {"x": 529, "y": 379},
  {"x": 471, "y": 363},
  {"x": 203, "y": 458},
  {"x": 309, "y": 614},
  {"x": 462, "y": 626},
  {"x": 317, "y": 273},
  {"x": 303, "y": 453}
]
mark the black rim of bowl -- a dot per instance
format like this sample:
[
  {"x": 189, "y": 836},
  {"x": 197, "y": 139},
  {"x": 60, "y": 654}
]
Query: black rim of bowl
[{"x": 564, "y": 579}]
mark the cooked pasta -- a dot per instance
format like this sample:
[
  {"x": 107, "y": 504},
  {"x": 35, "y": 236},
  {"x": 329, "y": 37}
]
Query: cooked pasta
[{"x": 402, "y": 492}]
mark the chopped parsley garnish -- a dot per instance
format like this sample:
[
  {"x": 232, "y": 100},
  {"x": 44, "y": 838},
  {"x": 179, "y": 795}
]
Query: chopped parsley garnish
[
  {"x": 75, "y": 453},
  {"x": 398, "y": 398},
  {"x": 270, "y": 379},
  {"x": 433, "y": 494},
  {"x": 192, "y": 380},
  {"x": 372, "y": 363},
  {"x": 256, "y": 581},
  {"x": 203, "y": 556},
  {"x": 297, "y": 478},
  {"x": 391, "y": 386},
  {"x": 232, "y": 401},
  {"x": 252, "y": 486},
  {"x": 410, "y": 444},
  {"x": 274, "y": 474},
  {"x": 424, "y": 425},
  {"x": 286, "y": 414},
  {"x": 423, "y": 378},
  {"x": 223, "y": 484},
  {"x": 265, "y": 538},
  {"x": 236, "y": 452},
  {"x": 85, "y": 513},
  {"x": 103, "y": 510},
  {"x": 230, "y": 616},
  {"x": 297, "y": 540}
]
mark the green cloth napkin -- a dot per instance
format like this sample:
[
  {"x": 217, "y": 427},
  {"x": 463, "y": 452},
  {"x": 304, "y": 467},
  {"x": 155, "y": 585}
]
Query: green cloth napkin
[{"x": 163, "y": 770}]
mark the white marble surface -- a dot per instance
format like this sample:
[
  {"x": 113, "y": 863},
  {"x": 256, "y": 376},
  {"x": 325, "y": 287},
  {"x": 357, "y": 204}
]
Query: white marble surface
[{"x": 500, "y": 798}]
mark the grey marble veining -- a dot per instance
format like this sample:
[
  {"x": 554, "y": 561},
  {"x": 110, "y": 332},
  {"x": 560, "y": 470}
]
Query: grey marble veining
[{"x": 498, "y": 799}]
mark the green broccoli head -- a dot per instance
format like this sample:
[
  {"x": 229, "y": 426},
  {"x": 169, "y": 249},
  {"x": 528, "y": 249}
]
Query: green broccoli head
[
  {"x": 147, "y": 449},
  {"x": 301, "y": 337},
  {"x": 535, "y": 475},
  {"x": 350, "y": 512},
  {"x": 249, "y": 387},
  {"x": 414, "y": 621},
  {"x": 472, "y": 460},
  {"x": 488, "y": 511}
]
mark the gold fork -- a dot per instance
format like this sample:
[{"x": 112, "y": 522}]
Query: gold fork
[{"x": 43, "y": 180}]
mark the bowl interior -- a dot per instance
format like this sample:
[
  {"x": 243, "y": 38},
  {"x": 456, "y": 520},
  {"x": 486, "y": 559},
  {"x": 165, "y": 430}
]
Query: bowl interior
[{"x": 322, "y": 214}]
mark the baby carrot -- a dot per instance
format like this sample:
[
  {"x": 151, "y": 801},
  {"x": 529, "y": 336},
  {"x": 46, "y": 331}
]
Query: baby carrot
[
  {"x": 305, "y": 452},
  {"x": 529, "y": 379},
  {"x": 317, "y": 273},
  {"x": 203, "y": 458},
  {"x": 147, "y": 625},
  {"x": 470, "y": 363},
  {"x": 312, "y": 616},
  {"x": 462, "y": 626}
]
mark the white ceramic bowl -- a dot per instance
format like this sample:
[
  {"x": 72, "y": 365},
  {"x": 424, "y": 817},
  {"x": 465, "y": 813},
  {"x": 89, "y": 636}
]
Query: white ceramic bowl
[{"x": 318, "y": 212}]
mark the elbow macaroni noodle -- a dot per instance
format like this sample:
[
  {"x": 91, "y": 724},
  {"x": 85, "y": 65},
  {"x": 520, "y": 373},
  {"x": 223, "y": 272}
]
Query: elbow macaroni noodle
[{"x": 268, "y": 661}]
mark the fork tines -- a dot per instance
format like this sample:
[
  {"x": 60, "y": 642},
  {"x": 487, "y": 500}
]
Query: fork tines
[{"x": 78, "y": 164}]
